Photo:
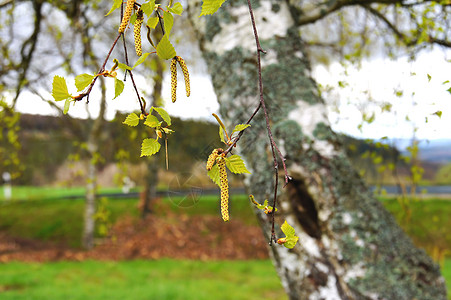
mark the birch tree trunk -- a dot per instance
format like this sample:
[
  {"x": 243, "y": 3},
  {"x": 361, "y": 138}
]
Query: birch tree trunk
[
  {"x": 94, "y": 140},
  {"x": 350, "y": 247}
]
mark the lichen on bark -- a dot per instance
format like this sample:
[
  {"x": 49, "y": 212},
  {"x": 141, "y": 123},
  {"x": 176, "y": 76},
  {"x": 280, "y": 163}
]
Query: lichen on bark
[{"x": 350, "y": 247}]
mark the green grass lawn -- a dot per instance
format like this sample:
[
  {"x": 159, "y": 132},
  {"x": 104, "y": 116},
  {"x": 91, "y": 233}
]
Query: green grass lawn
[
  {"x": 62, "y": 220},
  {"x": 40, "y": 193},
  {"x": 162, "y": 279},
  {"x": 56, "y": 220},
  {"x": 427, "y": 222}
]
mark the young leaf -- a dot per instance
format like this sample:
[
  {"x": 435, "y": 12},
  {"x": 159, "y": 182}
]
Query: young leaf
[
  {"x": 131, "y": 120},
  {"x": 59, "y": 89},
  {"x": 152, "y": 22},
  {"x": 149, "y": 147},
  {"x": 168, "y": 22},
  {"x": 151, "y": 121},
  {"x": 221, "y": 134},
  {"x": 164, "y": 115},
  {"x": 176, "y": 9},
  {"x": 429, "y": 77},
  {"x": 167, "y": 130},
  {"x": 83, "y": 80},
  {"x": 291, "y": 239},
  {"x": 287, "y": 229},
  {"x": 66, "y": 106},
  {"x": 214, "y": 174},
  {"x": 133, "y": 18},
  {"x": 165, "y": 50},
  {"x": 148, "y": 7},
  {"x": 236, "y": 165},
  {"x": 116, "y": 5},
  {"x": 209, "y": 7},
  {"x": 118, "y": 87},
  {"x": 240, "y": 127},
  {"x": 124, "y": 67},
  {"x": 141, "y": 59},
  {"x": 438, "y": 113}
]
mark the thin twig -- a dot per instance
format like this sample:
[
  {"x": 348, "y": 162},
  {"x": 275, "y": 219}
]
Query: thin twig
[
  {"x": 102, "y": 68},
  {"x": 274, "y": 147},
  {"x": 141, "y": 105}
]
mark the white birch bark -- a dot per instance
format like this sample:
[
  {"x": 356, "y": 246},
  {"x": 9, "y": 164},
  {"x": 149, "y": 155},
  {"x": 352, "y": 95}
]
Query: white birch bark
[{"x": 349, "y": 246}]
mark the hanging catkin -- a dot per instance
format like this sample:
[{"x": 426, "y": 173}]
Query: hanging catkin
[
  {"x": 137, "y": 32},
  {"x": 185, "y": 74},
  {"x": 224, "y": 185},
  {"x": 212, "y": 158},
  {"x": 127, "y": 14},
  {"x": 174, "y": 79}
]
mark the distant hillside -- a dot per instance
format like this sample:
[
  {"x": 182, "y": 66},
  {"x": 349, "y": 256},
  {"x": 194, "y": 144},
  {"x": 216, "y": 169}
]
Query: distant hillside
[
  {"x": 432, "y": 151},
  {"x": 47, "y": 142},
  {"x": 437, "y": 151}
]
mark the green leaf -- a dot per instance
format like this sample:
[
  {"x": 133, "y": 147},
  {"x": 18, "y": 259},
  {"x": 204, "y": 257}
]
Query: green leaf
[
  {"x": 152, "y": 22},
  {"x": 240, "y": 127},
  {"x": 124, "y": 67},
  {"x": 168, "y": 22},
  {"x": 131, "y": 120},
  {"x": 152, "y": 121},
  {"x": 236, "y": 165},
  {"x": 149, "y": 147},
  {"x": 165, "y": 50},
  {"x": 449, "y": 90},
  {"x": 164, "y": 114},
  {"x": 83, "y": 80},
  {"x": 59, "y": 89},
  {"x": 167, "y": 130},
  {"x": 291, "y": 239},
  {"x": 209, "y": 7},
  {"x": 177, "y": 9},
  {"x": 429, "y": 78},
  {"x": 116, "y": 5},
  {"x": 118, "y": 87},
  {"x": 291, "y": 242},
  {"x": 66, "y": 106},
  {"x": 148, "y": 7},
  {"x": 133, "y": 19},
  {"x": 221, "y": 134},
  {"x": 438, "y": 113},
  {"x": 141, "y": 59},
  {"x": 214, "y": 174},
  {"x": 287, "y": 229}
]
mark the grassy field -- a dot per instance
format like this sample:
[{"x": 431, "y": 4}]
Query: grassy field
[
  {"x": 162, "y": 279},
  {"x": 427, "y": 222},
  {"x": 62, "y": 220},
  {"x": 41, "y": 193}
]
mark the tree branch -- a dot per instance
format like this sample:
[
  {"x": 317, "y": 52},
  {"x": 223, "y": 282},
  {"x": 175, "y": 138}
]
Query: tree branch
[
  {"x": 401, "y": 36},
  {"x": 274, "y": 147},
  {"x": 28, "y": 55}
]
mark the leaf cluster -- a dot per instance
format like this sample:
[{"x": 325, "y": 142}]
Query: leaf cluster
[{"x": 150, "y": 146}]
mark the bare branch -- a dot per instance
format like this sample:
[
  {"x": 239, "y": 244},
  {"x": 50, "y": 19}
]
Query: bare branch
[{"x": 409, "y": 42}]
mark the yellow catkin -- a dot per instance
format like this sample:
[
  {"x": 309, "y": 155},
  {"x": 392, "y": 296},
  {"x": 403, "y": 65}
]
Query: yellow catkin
[
  {"x": 212, "y": 158},
  {"x": 185, "y": 74},
  {"x": 137, "y": 32},
  {"x": 127, "y": 14},
  {"x": 174, "y": 79},
  {"x": 224, "y": 184}
]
